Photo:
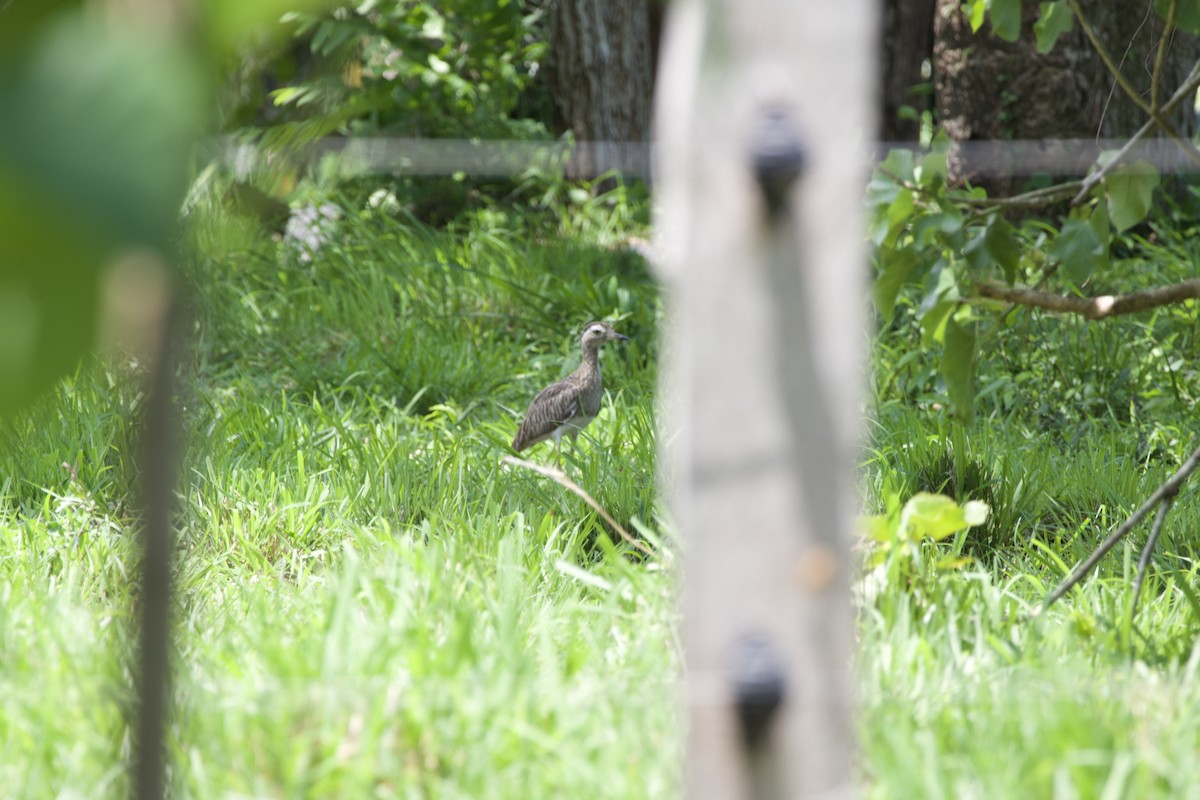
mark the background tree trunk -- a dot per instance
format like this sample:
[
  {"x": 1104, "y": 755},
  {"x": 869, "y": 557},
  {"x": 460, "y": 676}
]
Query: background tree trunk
[
  {"x": 987, "y": 88},
  {"x": 601, "y": 70},
  {"x": 907, "y": 45}
]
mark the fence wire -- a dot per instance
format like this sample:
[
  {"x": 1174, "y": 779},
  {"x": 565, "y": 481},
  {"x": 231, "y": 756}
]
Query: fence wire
[{"x": 589, "y": 159}]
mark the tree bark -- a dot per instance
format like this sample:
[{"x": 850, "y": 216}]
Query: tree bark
[
  {"x": 601, "y": 70},
  {"x": 987, "y": 88},
  {"x": 907, "y": 45}
]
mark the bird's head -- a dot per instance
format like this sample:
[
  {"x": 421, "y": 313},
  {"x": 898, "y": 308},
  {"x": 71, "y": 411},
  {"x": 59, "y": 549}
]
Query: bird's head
[{"x": 595, "y": 334}]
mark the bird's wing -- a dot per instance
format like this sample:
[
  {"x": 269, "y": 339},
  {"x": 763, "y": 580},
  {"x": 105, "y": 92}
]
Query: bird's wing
[{"x": 553, "y": 406}]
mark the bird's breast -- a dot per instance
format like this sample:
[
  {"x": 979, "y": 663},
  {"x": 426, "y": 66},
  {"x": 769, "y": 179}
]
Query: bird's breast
[{"x": 589, "y": 400}]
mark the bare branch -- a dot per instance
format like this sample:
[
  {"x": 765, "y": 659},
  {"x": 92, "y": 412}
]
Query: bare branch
[
  {"x": 1094, "y": 308},
  {"x": 560, "y": 477},
  {"x": 1167, "y": 490}
]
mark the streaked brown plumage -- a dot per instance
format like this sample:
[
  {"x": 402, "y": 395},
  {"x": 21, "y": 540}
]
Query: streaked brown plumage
[{"x": 566, "y": 406}]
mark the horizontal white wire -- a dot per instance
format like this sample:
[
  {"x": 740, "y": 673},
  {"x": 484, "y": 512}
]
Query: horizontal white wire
[{"x": 498, "y": 157}]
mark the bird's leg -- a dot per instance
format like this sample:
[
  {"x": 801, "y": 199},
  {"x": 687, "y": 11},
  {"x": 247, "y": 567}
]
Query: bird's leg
[{"x": 574, "y": 434}]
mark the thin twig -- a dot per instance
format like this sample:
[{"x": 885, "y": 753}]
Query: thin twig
[
  {"x": 1159, "y": 57},
  {"x": 1155, "y": 114},
  {"x": 1186, "y": 91},
  {"x": 1168, "y": 489},
  {"x": 1093, "y": 308},
  {"x": 1113, "y": 67},
  {"x": 1038, "y": 198},
  {"x": 560, "y": 477},
  {"x": 1144, "y": 561}
]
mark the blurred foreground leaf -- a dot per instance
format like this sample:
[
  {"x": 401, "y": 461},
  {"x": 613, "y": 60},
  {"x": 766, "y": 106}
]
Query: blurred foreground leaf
[{"x": 94, "y": 156}]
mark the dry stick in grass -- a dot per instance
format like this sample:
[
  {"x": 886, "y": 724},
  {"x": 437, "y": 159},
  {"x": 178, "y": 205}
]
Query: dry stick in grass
[
  {"x": 560, "y": 477},
  {"x": 1161, "y": 495},
  {"x": 1093, "y": 307},
  {"x": 1144, "y": 561}
]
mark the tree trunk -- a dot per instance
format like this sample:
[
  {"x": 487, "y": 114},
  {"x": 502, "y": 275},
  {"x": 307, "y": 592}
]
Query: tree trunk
[
  {"x": 601, "y": 71},
  {"x": 907, "y": 45},
  {"x": 987, "y": 88}
]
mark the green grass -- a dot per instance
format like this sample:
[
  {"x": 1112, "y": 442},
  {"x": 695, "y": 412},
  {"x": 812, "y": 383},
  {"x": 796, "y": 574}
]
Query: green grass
[
  {"x": 962, "y": 694},
  {"x": 369, "y": 604}
]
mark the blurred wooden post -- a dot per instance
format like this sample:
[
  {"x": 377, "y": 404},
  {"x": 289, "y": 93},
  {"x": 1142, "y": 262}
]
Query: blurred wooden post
[{"x": 767, "y": 288}]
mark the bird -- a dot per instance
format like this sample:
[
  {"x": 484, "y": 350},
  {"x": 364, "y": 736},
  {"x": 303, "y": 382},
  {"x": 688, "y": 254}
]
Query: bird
[{"x": 568, "y": 405}]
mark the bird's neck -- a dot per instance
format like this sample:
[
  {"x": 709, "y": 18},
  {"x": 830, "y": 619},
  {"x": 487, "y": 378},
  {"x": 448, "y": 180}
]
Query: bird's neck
[{"x": 591, "y": 360}]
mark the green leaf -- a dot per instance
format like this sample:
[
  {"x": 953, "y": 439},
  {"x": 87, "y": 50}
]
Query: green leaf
[
  {"x": 944, "y": 225},
  {"x": 940, "y": 300},
  {"x": 932, "y": 170},
  {"x": 1100, "y": 224},
  {"x": 1054, "y": 19},
  {"x": 933, "y": 322},
  {"x": 953, "y": 562},
  {"x": 931, "y": 515},
  {"x": 1129, "y": 188},
  {"x": 102, "y": 123},
  {"x": 94, "y": 157},
  {"x": 958, "y": 368},
  {"x": 1006, "y": 18},
  {"x": 877, "y": 527},
  {"x": 1080, "y": 250},
  {"x": 899, "y": 164},
  {"x": 897, "y": 266},
  {"x": 1187, "y": 13},
  {"x": 893, "y": 206},
  {"x": 49, "y": 279},
  {"x": 881, "y": 191},
  {"x": 975, "y": 10},
  {"x": 897, "y": 215},
  {"x": 994, "y": 245}
]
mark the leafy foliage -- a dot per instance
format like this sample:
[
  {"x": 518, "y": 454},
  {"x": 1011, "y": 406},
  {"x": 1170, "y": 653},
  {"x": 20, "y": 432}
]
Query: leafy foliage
[
  {"x": 948, "y": 239},
  {"x": 402, "y": 69},
  {"x": 1186, "y": 13},
  {"x": 924, "y": 516},
  {"x": 941, "y": 241},
  {"x": 409, "y": 68}
]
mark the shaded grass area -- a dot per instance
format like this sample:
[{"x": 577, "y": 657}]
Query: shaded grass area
[{"x": 368, "y": 603}]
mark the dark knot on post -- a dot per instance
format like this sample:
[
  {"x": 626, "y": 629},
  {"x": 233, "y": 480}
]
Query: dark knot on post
[
  {"x": 777, "y": 158},
  {"x": 759, "y": 686}
]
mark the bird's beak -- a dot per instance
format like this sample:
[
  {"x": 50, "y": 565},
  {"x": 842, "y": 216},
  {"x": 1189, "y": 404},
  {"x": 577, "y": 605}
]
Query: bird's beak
[{"x": 614, "y": 336}]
